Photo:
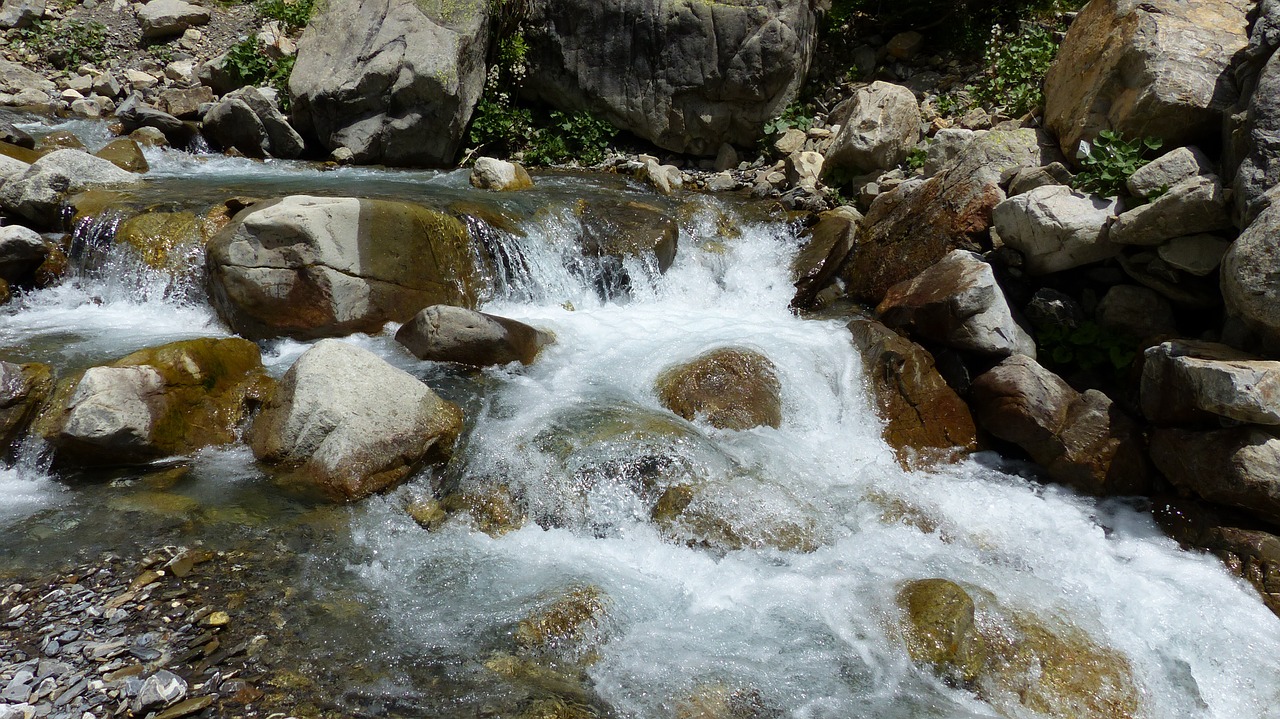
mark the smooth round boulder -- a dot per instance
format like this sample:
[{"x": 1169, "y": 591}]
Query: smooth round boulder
[
  {"x": 729, "y": 388},
  {"x": 124, "y": 154},
  {"x": 346, "y": 424},
  {"x": 442, "y": 333},
  {"x": 493, "y": 174},
  {"x": 939, "y": 628}
]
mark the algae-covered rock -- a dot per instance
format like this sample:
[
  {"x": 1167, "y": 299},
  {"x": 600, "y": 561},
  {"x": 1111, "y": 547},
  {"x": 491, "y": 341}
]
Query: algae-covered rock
[
  {"x": 157, "y": 402},
  {"x": 567, "y": 621},
  {"x": 493, "y": 510},
  {"x": 940, "y": 631},
  {"x": 23, "y": 388},
  {"x": 125, "y": 154},
  {"x": 730, "y": 388},
  {"x": 160, "y": 237},
  {"x": 627, "y": 229},
  {"x": 718, "y": 701}
]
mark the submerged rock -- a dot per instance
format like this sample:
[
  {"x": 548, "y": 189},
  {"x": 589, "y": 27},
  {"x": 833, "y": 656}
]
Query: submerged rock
[
  {"x": 572, "y": 619},
  {"x": 161, "y": 239},
  {"x": 728, "y": 388},
  {"x": 347, "y": 424},
  {"x": 311, "y": 267},
  {"x": 125, "y": 154},
  {"x": 157, "y": 402},
  {"x": 940, "y": 631},
  {"x": 442, "y": 333},
  {"x": 23, "y": 389}
]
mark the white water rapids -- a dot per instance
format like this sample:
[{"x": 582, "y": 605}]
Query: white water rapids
[{"x": 813, "y": 633}]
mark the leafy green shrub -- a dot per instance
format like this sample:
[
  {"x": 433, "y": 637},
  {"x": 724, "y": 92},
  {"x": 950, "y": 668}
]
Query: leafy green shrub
[
  {"x": 292, "y": 14},
  {"x": 249, "y": 64},
  {"x": 795, "y": 116},
  {"x": 1087, "y": 347},
  {"x": 1016, "y": 64},
  {"x": 65, "y": 43},
  {"x": 917, "y": 157},
  {"x": 1110, "y": 160}
]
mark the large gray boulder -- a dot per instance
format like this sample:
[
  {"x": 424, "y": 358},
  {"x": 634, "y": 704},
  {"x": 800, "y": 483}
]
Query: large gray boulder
[
  {"x": 1056, "y": 228},
  {"x": 347, "y": 424},
  {"x": 1082, "y": 440},
  {"x": 1253, "y": 132},
  {"x": 1146, "y": 68},
  {"x": 442, "y": 333},
  {"x": 1168, "y": 170},
  {"x": 957, "y": 302},
  {"x": 1237, "y": 467},
  {"x": 1249, "y": 272},
  {"x": 686, "y": 76},
  {"x": 162, "y": 18},
  {"x": 1197, "y": 204},
  {"x": 246, "y": 120},
  {"x": 395, "y": 81},
  {"x": 1188, "y": 381},
  {"x": 310, "y": 267},
  {"x": 883, "y": 125},
  {"x": 38, "y": 193},
  {"x": 21, "y": 252},
  {"x": 20, "y": 13}
]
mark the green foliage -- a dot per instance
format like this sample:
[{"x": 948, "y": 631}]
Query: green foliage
[
  {"x": 65, "y": 43},
  {"x": 249, "y": 64},
  {"x": 1111, "y": 160},
  {"x": 1087, "y": 347},
  {"x": 916, "y": 158},
  {"x": 1016, "y": 64},
  {"x": 292, "y": 14},
  {"x": 796, "y": 115},
  {"x": 958, "y": 22}
]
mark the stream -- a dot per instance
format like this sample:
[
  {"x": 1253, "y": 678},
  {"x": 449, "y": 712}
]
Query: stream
[{"x": 777, "y": 585}]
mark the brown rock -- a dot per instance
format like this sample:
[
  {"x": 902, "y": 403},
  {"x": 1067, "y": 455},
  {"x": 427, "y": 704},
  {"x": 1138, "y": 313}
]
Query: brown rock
[
  {"x": 23, "y": 388},
  {"x": 730, "y": 388},
  {"x": 124, "y": 154},
  {"x": 441, "y": 333},
  {"x": 1238, "y": 467},
  {"x": 940, "y": 631},
  {"x": 923, "y": 416},
  {"x": 827, "y": 245}
]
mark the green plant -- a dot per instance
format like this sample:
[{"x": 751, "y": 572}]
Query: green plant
[
  {"x": 1110, "y": 160},
  {"x": 1087, "y": 347},
  {"x": 1016, "y": 63},
  {"x": 916, "y": 158},
  {"x": 249, "y": 64},
  {"x": 796, "y": 115},
  {"x": 65, "y": 43},
  {"x": 292, "y": 14}
]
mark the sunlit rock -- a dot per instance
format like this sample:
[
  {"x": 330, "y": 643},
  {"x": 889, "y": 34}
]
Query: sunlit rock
[
  {"x": 940, "y": 631},
  {"x": 442, "y": 333},
  {"x": 23, "y": 388},
  {"x": 493, "y": 174},
  {"x": 729, "y": 388},
  {"x": 125, "y": 154}
]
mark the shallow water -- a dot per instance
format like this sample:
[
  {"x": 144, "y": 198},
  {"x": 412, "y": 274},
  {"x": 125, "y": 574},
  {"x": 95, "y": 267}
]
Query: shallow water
[{"x": 788, "y": 598}]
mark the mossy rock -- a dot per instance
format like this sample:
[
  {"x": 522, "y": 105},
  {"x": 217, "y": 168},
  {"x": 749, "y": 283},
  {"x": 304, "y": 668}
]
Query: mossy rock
[
  {"x": 563, "y": 682},
  {"x": 55, "y": 267},
  {"x": 162, "y": 238},
  {"x": 15, "y": 152},
  {"x": 557, "y": 708},
  {"x": 124, "y": 154},
  {"x": 492, "y": 216},
  {"x": 92, "y": 203},
  {"x": 493, "y": 510},
  {"x": 729, "y": 388},
  {"x": 26, "y": 387},
  {"x": 567, "y": 621},
  {"x": 162, "y": 504},
  {"x": 58, "y": 140},
  {"x": 691, "y": 514},
  {"x": 940, "y": 630}
]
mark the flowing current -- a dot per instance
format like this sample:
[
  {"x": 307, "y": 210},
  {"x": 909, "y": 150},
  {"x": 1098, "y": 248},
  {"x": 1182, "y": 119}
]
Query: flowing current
[{"x": 777, "y": 583}]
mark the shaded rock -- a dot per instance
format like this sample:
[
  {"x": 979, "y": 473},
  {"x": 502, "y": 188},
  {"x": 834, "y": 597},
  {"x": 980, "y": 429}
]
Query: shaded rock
[
  {"x": 728, "y": 388},
  {"x": 1237, "y": 467},
  {"x": 23, "y": 389},
  {"x": 940, "y": 629},
  {"x": 1145, "y": 69},
  {"x": 1180, "y": 288},
  {"x": 1186, "y": 381},
  {"x": 1192, "y": 206},
  {"x": 157, "y": 402},
  {"x": 916, "y": 224},
  {"x": 21, "y": 252},
  {"x": 1168, "y": 170},
  {"x": 493, "y": 174},
  {"x": 133, "y": 113},
  {"x": 883, "y": 125},
  {"x": 1198, "y": 255},
  {"x": 21, "y": 13},
  {"x": 1082, "y": 440},
  {"x": 1029, "y": 178},
  {"x": 124, "y": 154},
  {"x": 319, "y": 266},
  {"x": 924, "y": 418},
  {"x": 441, "y": 333},
  {"x": 1254, "y": 133},
  {"x": 39, "y": 192},
  {"x": 1056, "y": 228},
  {"x": 684, "y": 76},
  {"x": 395, "y": 81},
  {"x": 826, "y": 246},
  {"x": 1049, "y": 307},
  {"x": 15, "y": 136},
  {"x": 1137, "y": 312},
  {"x": 347, "y": 424},
  {"x": 958, "y": 303},
  {"x": 1249, "y": 269},
  {"x": 161, "y": 18},
  {"x": 15, "y": 78},
  {"x": 250, "y": 123},
  {"x": 628, "y": 229}
]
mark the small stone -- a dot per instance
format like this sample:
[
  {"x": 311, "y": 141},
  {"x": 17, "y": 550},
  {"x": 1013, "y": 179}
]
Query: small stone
[
  {"x": 1199, "y": 255},
  {"x": 217, "y": 619},
  {"x": 163, "y": 688},
  {"x": 185, "y": 708}
]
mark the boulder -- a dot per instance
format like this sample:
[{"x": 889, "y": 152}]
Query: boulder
[
  {"x": 15, "y": 78},
  {"x": 347, "y": 424},
  {"x": 442, "y": 333},
  {"x": 1238, "y": 467},
  {"x": 945, "y": 146},
  {"x": 310, "y": 267},
  {"x": 184, "y": 102},
  {"x": 250, "y": 123},
  {"x": 124, "y": 154},
  {"x": 730, "y": 388},
  {"x": 1253, "y": 130},
  {"x": 1082, "y": 440},
  {"x": 282, "y": 140},
  {"x": 916, "y": 224},
  {"x": 162, "y": 18},
  {"x": 923, "y": 417},
  {"x": 1137, "y": 312},
  {"x": 940, "y": 629},
  {"x": 614, "y": 230},
  {"x": 1249, "y": 269},
  {"x": 685, "y": 76},
  {"x": 1182, "y": 289},
  {"x": 1194, "y": 205},
  {"x": 1145, "y": 69},
  {"x": 1029, "y": 178},
  {"x": 20, "y": 13},
  {"x": 393, "y": 80},
  {"x": 23, "y": 389},
  {"x": 666, "y": 179},
  {"x": 39, "y": 192},
  {"x": 883, "y": 125},
  {"x": 157, "y": 402},
  {"x": 493, "y": 174},
  {"x": 957, "y": 302},
  {"x": 59, "y": 140},
  {"x": 21, "y": 252},
  {"x": 163, "y": 240},
  {"x": 1168, "y": 170},
  {"x": 826, "y": 245},
  {"x": 1198, "y": 255},
  {"x": 11, "y": 168},
  {"x": 1188, "y": 381},
  {"x": 1056, "y": 228},
  {"x": 133, "y": 113},
  {"x": 804, "y": 169}
]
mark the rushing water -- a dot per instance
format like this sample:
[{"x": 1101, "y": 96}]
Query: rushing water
[{"x": 784, "y": 593}]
